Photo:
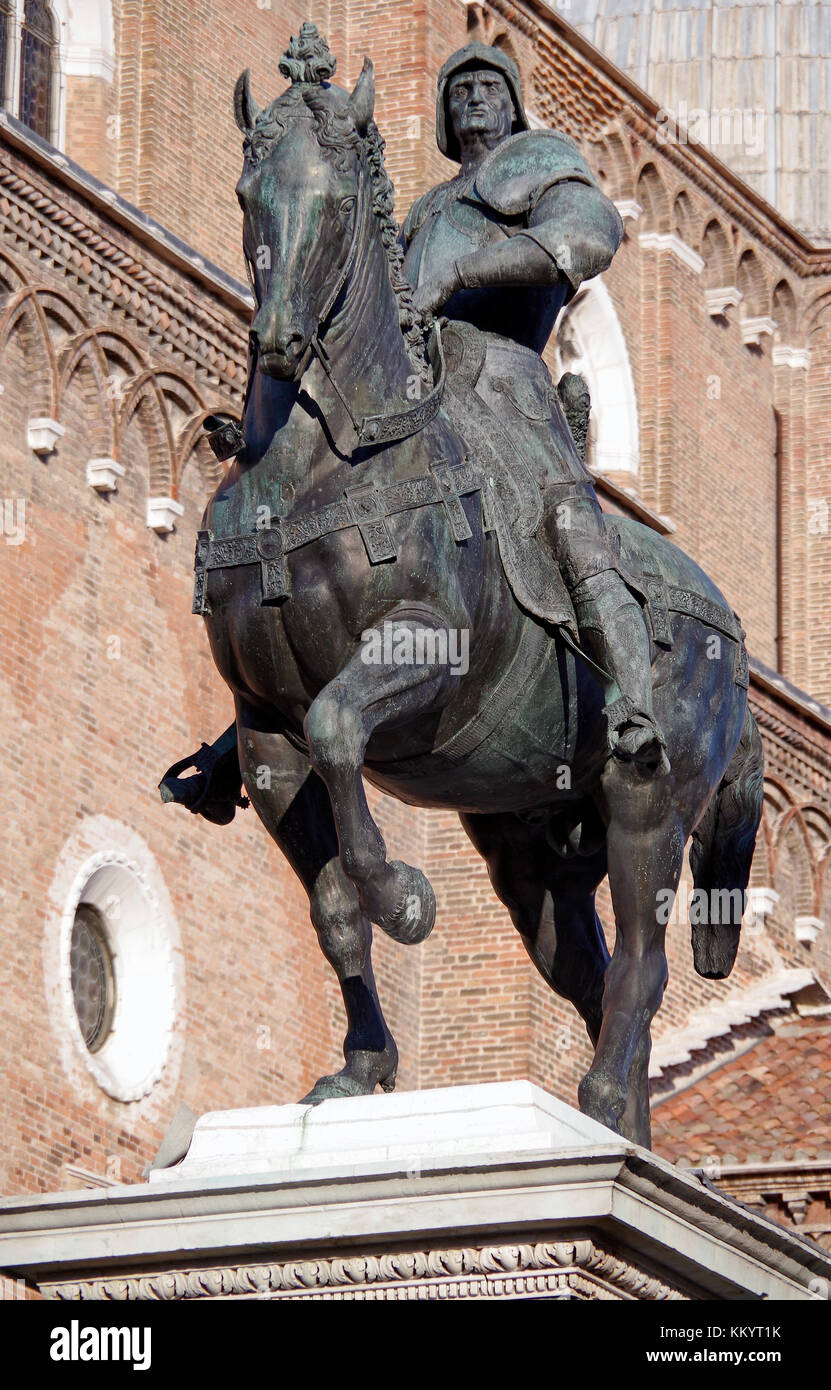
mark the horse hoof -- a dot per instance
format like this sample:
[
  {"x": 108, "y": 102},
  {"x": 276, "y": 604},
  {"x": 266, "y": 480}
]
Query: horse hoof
[
  {"x": 336, "y": 1087},
  {"x": 342, "y": 1084},
  {"x": 601, "y": 1102},
  {"x": 415, "y": 916}
]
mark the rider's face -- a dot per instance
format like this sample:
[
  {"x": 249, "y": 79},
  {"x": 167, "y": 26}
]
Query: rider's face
[{"x": 480, "y": 106}]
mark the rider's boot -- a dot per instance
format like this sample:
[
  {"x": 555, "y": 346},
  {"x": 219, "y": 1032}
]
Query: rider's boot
[{"x": 613, "y": 631}]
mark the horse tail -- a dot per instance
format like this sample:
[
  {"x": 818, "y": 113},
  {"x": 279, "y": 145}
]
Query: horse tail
[{"x": 721, "y": 853}]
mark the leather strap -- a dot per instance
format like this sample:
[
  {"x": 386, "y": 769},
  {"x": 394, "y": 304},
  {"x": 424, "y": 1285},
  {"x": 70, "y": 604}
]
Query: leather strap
[{"x": 366, "y": 506}]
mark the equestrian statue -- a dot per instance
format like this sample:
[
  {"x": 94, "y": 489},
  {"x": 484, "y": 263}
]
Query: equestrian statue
[{"x": 406, "y": 477}]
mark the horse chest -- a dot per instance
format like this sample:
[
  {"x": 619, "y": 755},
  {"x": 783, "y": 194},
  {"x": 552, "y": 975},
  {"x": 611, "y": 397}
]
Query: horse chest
[{"x": 284, "y": 653}]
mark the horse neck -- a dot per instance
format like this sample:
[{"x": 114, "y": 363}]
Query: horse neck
[
  {"x": 363, "y": 340},
  {"x": 369, "y": 362}
]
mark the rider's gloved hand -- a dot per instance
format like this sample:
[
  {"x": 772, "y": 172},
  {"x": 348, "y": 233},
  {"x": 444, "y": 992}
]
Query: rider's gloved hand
[{"x": 434, "y": 294}]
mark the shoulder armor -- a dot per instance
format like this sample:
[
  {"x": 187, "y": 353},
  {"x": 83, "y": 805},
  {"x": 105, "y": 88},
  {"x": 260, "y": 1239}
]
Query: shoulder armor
[
  {"x": 419, "y": 212},
  {"x": 521, "y": 168}
]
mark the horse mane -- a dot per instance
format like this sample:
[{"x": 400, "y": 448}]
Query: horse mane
[{"x": 309, "y": 68}]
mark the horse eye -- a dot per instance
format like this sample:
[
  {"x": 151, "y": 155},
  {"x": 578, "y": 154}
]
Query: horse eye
[{"x": 345, "y": 207}]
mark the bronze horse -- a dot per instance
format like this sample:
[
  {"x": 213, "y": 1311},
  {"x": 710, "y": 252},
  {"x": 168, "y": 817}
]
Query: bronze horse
[{"x": 347, "y": 533}]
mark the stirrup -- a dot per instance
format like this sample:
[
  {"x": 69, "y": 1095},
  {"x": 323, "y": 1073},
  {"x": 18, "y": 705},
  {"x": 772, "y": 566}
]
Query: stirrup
[{"x": 214, "y": 790}]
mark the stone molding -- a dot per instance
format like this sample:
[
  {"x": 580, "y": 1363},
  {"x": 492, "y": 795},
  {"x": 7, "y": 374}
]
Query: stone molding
[
  {"x": 664, "y": 242},
  {"x": 754, "y": 329},
  {"x": 798, "y": 1192},
  {"x": 570, "y": 1269},
  {"x": 720, "y": 299},
  {"x": 797, "y": 358}
]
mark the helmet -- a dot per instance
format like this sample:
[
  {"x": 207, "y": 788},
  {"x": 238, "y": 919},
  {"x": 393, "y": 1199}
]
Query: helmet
[{"x": 475, "y": 55}]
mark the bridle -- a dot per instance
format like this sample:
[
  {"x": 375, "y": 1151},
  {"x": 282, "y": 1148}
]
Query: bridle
[{"x": 369, "y": 429}]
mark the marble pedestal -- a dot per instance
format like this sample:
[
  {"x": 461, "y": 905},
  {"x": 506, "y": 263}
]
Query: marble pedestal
[{"x": 493, "y": 1192}]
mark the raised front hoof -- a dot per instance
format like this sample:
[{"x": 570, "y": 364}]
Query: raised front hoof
[{"x": 414, "y": 917}]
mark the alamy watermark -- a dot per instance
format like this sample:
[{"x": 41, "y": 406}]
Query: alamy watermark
[
  {"x": 405, "y": 644},
  {"x": 700, "y": 907},
  {"x": 733, "y": 127},
  {"x": 85, "y": 1343}
]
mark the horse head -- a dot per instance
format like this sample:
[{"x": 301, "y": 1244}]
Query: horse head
[{"x": 302, "y": 192}]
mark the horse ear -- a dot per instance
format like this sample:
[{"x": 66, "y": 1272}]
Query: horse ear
[
  {"x": 362, "y": 101},
  {"x": 246, "y": 109}
]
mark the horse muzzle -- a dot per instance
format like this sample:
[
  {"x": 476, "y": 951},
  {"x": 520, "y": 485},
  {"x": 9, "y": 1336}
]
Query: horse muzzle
[
  {"x": 280, "y": 356},
  {"x": 280, "y": 365}
]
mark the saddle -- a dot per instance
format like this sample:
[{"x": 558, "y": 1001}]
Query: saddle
[{"x": 511, "y": 496}]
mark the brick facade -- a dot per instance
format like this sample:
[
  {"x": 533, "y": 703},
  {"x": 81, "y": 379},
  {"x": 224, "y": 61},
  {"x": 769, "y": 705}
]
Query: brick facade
[{"x": 128, "y": 339}]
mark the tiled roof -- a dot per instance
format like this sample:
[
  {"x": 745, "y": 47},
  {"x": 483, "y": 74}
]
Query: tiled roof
[
  {"x": 725, "y": 1017},
  {"x": 771, "y": 1103}
]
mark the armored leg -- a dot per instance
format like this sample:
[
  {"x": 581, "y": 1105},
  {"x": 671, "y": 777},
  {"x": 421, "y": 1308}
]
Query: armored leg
[{"x": 610, "y": 622}]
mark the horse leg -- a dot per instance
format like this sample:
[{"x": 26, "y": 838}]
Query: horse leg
[
  {"x": 551, "y": 902},
  {"x": 338, "y": 727},
  {"x": 645, "y": 847},
  {"x": 294, "y": 806}
]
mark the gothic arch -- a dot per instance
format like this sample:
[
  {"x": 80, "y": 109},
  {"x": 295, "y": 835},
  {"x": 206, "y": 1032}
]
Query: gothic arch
[
  {"x": 717, "y": 254},
  {"x": 794, "y": 874},
  {"x": 683, "y": 218},
  {"x": 815, "y": 313},
  {"x": 64, "y": 323},
  {"x": 144, "y": 401},
  {"x": 193, "y": 451},
  {"x": 84, "y": 357},
  {"x": 783, "y": 312},
  {"x": 761, "y": 873},
  {"x": 24, "y": 312},
  {"x": 651, "y": 193},
  {"x": 750, "y": 282},
  {"x": 610, "y": 160}
]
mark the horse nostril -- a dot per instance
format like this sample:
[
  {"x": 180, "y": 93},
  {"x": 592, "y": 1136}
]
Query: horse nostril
[
  {"x": 286, "y": 343},
  {"x": 265, "y": 340}
]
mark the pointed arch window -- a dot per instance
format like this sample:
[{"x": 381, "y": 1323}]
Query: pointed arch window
[
  {"x": 37, "y": 65},
  {"x": 29, "y": 70}
]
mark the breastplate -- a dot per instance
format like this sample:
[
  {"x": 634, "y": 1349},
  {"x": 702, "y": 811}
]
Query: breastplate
[{"x": 456, "y": 225}]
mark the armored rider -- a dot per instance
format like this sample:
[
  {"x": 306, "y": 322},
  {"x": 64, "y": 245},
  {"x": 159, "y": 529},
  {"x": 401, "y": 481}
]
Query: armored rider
[{"x": 504, "y": 246}]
